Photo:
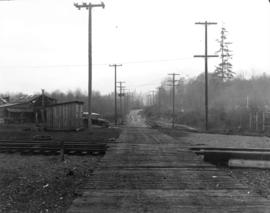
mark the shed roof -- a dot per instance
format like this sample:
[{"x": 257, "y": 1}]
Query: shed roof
[
  {"x": 8, "y": 105},
  {"x": 19, "y": 110},
  {"x": 3, "y": 101},
  {"x": 66, "y": 103},
  {"x": 35, "y": 101}
]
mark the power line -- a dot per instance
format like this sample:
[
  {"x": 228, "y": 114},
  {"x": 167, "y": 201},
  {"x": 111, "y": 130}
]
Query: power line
[
  {"x": 144, "y": 85},
  {"x": 94, "y": 64},
  {"x": 156, "y": 60}
]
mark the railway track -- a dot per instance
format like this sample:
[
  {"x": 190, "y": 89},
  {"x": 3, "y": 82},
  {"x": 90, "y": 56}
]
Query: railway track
[{"x": 52, "y": 147}]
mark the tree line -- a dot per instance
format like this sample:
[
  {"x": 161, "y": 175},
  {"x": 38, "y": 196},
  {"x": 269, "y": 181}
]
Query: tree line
[
  {"x": 102, "y": 104},
  {"x": 232, "y": 103}
]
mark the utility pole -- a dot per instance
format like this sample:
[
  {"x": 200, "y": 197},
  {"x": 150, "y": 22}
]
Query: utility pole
[
  {"x": 123, "y": 104},
  {"x": 127, "y": 93},
  {"x": 150, "y": 99},
  {"x": 159, "y": 100},
  {"x": 89, "y": 6},
  {"x": 121, "y": 94},
  {"x": 153, "y": 96},
  {"x": 43, "y": 107},
  {"x": 206, "y": 56},
  {"x": 173, "y": 97},
  {"x": 124, "y": 89},
  {"x": 115, "y": 90}
]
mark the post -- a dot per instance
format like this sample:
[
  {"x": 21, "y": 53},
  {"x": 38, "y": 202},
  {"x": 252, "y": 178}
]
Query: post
[
  {"x": 173, "y": 120},
  {"x": 43, "y": 106},
  {"x": 263, "y": 121},
  {"x": 159, "y": 101},
  {"x": 36, "y": 118},
  {"x": 115, "y": 90},
  {"x": 149, "y": 100},
  {"x": 120, "y": 96},
  {"x": 62, "y": 151},
  {"x": 257, "y": 121},
  {"x": 124, "y": 104},
  {"x": 153, "y": 97},
  {"x": 206, "y": 79},
  {"x": 250, "y": 120},
  {"x": 89, "y": 6},
  {"x": 90, "y": 68},
  {"x": 128, "y": 101},
  {"x": 115, "y": 97},
  {"x": 206, "y": 56}
]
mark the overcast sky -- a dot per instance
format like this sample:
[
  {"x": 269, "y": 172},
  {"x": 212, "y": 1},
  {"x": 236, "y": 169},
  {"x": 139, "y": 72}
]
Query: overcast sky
[{"x": 43, "y": 43}]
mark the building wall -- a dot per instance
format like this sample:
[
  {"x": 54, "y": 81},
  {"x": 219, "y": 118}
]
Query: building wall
[
  {"x": 66, "y": 116},
  {"x": 2, "y": 115}
]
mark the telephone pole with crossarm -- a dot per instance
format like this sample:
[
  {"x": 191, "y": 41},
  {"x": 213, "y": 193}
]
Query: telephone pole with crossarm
[
  {"x": 206, "y": 56},
  {"x": 173, "y": 97},
  {"x": 89, "y": 6},
  {"x": 115, "y": 91}
]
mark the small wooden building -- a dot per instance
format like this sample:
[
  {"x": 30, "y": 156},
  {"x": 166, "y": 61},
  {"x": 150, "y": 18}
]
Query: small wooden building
[
  {"x": 64, "y": 116},
  {"x": 28, "y": 111}
]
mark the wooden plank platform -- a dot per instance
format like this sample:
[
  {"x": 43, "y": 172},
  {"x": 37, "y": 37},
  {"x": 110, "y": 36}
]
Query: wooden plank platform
[
  {"x": 240, "y": 163},
  {"x": 225, "y": 155},
  {"x": 206, "y": 148},
  {"x": 146, "y": 172},
  {"x": 173, "y": 178},
  {"x": 163, "y": 201}
]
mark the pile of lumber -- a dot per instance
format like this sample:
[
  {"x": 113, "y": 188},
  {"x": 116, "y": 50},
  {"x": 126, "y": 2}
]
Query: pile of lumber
[
  {"x": 52, "y": 147},
  {"x": 235, "y": 157}
]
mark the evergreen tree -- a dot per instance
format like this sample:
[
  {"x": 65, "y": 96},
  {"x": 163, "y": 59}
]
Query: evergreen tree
[{"x": 224, "y": 69}]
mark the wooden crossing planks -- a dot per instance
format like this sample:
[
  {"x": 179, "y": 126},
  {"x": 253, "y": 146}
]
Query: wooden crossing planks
[
  {"x": 206, "y": 148},
  {"x": 174, "y": 178},
  {"x": 225, "y": 155},
  {"x": 180, "y": 201},
  {"x": 132, "y": 177}
]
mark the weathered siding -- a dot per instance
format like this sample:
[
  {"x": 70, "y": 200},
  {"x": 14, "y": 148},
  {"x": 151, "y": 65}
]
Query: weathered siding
[
  {"x": 64, "y": 116},
  {"x": 2, "y": 115}
]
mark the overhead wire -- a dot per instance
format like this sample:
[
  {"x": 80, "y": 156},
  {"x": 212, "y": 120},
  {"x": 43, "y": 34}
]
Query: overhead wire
[{"x": 95, "y": 64}]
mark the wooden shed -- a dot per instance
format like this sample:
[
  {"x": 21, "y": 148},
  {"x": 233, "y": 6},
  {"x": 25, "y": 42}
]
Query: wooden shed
[
  {"x": 28, "y": 111},
  {"x": 64, "y": 116}
]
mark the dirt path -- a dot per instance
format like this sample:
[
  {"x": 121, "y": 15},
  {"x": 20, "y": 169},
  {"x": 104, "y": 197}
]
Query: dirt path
[
  {"x": 134, "y": 119},
  {"x": 147, "y": 171}
]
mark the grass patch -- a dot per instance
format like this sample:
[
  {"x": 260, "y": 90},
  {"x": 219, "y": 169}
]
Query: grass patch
[{"x": 43, "y": 183}]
